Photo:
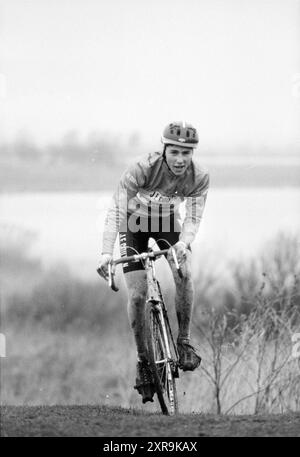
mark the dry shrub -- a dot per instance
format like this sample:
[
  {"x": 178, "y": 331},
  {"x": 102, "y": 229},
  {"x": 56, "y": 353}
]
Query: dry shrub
[{"x": 246, "y": 338}]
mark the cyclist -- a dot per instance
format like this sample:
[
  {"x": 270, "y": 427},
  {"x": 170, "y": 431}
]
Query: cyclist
[{"x": 146, "y": 204}]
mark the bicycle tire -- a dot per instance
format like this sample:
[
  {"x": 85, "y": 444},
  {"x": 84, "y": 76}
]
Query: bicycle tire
[{"x": 161, "y": 367}]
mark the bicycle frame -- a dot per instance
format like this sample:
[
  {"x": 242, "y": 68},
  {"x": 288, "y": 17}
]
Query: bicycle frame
[
  {"x": 154, "y": 292},
  {"x": 164, "y": 358}
]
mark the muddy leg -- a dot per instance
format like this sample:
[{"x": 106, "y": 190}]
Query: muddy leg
[
  {"x": 136, "y": 282},
  {"x": 184, "y": 297}
]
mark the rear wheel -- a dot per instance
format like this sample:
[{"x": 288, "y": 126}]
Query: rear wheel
[{"x": 164, "y": 368}]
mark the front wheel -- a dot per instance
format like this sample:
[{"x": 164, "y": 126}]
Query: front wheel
[{"x": 161, "y": 358}]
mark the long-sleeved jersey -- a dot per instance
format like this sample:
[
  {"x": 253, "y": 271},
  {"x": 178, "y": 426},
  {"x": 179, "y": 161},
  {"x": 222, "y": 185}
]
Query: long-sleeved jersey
[{"x": 149, "y": 187}]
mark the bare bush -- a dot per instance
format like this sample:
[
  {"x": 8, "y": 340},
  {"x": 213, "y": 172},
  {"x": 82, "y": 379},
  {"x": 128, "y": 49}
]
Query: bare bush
[{"x": 250, "y": 332}]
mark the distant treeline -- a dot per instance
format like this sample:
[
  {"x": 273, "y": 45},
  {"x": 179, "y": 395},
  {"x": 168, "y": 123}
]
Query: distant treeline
[
  {"x": 71, "y": 148},
  {"x": 96, "y": 162},
  {"x": 98, "y": 145}
]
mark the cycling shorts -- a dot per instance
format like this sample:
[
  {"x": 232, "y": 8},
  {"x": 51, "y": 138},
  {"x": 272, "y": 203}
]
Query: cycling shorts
[{"x": 165, "y": 231}]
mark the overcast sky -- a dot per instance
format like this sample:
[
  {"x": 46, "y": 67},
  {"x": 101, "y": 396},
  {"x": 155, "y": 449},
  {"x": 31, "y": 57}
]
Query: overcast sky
[{"x": 231, "y": 67}]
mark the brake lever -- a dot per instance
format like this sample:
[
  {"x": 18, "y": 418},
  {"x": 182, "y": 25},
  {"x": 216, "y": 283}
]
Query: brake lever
[
  {"x": 176, "y": 263},
  {"x": 111, "y": 277}
]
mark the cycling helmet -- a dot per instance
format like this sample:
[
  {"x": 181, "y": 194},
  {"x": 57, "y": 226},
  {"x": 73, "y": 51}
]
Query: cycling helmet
[{"x": 180, "y": 133}]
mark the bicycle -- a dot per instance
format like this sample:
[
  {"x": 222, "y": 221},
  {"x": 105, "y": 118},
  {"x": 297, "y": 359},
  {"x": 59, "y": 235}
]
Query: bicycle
[{"x": 162, "y": 351}]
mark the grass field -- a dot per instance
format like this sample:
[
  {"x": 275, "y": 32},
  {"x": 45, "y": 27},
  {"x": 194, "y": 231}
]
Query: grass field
[
  {"x": 49, "y": 368},
  {"x": 85, "y": 420},
  {"x": 69, "y": 341}
]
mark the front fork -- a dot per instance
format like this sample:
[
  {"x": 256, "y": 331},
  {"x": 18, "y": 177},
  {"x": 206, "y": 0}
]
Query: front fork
[{"x": 154, "y": 295}]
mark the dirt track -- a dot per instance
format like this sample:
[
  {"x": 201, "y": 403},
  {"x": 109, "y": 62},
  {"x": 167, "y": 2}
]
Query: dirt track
[{"x": 118, "y": 422}]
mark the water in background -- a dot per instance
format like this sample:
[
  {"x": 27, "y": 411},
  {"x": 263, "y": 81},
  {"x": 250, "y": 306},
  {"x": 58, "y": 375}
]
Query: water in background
[{"x": 68, "y": 226}]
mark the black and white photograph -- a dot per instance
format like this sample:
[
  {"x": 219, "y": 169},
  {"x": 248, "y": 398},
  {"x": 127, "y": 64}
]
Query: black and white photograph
[{"x": 150, "y": 221}]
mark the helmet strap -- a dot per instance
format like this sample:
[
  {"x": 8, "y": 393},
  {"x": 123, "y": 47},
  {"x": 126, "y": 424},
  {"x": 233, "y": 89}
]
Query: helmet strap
[
  {"x": 165, "y": 159},
  {"x": 164, "y": 151}
]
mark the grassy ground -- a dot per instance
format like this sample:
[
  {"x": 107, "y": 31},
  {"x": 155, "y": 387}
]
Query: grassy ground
[
  {"x": 69, "y": 342},
  {"x": 87, "y": 420},
  {"x": 49, "y": 368}
]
